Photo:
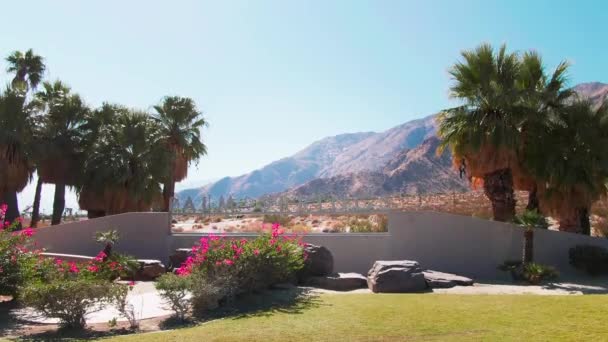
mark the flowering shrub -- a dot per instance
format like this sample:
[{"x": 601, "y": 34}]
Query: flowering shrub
[
  {"x": 221, "y": 268},
  {"x": 68, "y": 290},
  {"x": 16, "y": 255}
]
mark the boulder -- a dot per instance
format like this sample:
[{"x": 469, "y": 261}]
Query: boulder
[
  {"x": 149, "y": 270},
  {"x": 396, "y": 277},
  {"x": 179, "y": 257},
  {"x": 338, "y": 281},
  {"x": 437, "y": 279},
  {"x": 319, "y": 261}
]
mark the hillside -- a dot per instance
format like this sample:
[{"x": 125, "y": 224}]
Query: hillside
[{"x": 415, "y": 171}]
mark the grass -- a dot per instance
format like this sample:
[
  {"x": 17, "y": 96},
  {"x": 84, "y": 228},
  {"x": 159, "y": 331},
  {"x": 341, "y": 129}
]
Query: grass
[{"x": 428, "y": 317}]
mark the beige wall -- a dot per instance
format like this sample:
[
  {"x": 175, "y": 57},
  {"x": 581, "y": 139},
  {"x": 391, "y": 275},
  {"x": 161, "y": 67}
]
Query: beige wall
[
  {"x": 143, "y": 235},
  {"x": 440, "y": 241}
]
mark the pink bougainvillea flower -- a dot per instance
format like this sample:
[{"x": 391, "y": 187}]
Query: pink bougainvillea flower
[
  {"x": 218, "y": 263},
  {"x": 27, "y": 232},
  {"x": 73, "y": 267},
  {"x": 132, "y": 283},
  {"x": 279, "y": 248},
  {"x": 93, "y": 268},
  {"x": 58, "y": 262},
  {"x": 100, "y": 256},
  {"x": 228, "y": 262},
  {"x": 256, "y": 251}
]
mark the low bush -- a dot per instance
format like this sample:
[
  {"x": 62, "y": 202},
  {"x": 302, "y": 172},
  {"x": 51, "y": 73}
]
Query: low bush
[
  {"x": 174, "y": 290},
  {"x": 532, "y": 273},
  {"x": 69, "y": 301},
  {"x": 16, "y": 256},
  {"x": 588, "y": 258},
  {"x": 281, "y": 220}
]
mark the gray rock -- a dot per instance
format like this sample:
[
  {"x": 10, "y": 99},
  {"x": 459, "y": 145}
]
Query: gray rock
[
  {"x": 396, "y": 277},
  {"x": 149, "y": 269},
  {"x": 320, "y": 261},
  {"x": 179, "y": 257},
  {"x": 437, "y": 279},
  {"x": 338, "y": 282}
]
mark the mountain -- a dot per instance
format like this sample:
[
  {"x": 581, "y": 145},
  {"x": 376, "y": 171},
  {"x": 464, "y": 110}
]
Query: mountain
[
  {"x": 360, "y": 163},
  {"x": 413, "y": 171},
  {"x": 597, "y": 92}
]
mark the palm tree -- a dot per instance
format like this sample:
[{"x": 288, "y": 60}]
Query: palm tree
[
  {"x": 27, "y": 67},
  {"x": 16, "y": 163},
  {"x": 61, "y": 137},
  {"x": 572, "y": 171},
  {"x": 180, "y": 123},
  {"x": 125, "y": 164},
  {"x": 483, "y": 133},
  {"x": 542, "y": 95}
]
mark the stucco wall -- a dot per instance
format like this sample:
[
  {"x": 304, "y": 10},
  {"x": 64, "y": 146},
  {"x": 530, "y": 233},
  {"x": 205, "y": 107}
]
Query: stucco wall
[
  {"x": 440, "y": 241},
  {"x": 143, "y": 235}
]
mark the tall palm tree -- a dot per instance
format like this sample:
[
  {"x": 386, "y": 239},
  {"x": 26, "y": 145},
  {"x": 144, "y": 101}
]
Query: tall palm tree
[
  {"x": 483, "y": 133},
  {"x": 180, "y": 123},
  {"x": 16, "y": 162},
  {"x": 572, "y": 164},
  {"x": 542, "y": 95},
  {"x": 124, "y": 167},
  {"x": 27, "y": 67},
  {"x": 61, "y": 137}
]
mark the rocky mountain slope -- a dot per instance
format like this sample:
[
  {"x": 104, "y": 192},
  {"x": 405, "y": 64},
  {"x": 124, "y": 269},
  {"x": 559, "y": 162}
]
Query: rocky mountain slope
[
  {"x": 415, "y": 171},
  {"x": 369, "y": 163}
]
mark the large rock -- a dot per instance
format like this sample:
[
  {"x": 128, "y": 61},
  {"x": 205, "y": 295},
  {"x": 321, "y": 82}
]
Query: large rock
[
  {"x": 437, "y": 279},
  {"x": 179, "y": 257},
  {"x": 149, "y": 270},
  {"x": 338, "y": 281},
  {"x": 396, "y": 276},
  {"x": 319, "y": 261}
]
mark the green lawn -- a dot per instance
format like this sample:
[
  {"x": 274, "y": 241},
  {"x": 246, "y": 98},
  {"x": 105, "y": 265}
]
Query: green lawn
[{"x": 435, "y": 317}]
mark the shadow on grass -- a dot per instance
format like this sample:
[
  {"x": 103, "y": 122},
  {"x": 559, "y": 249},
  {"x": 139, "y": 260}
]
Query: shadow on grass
[{"x": 291, "y": 301}]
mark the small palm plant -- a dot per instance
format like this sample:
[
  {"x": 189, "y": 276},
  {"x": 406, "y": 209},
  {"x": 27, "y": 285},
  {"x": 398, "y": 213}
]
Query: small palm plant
[
  {"x": 108, "y": 239},
  {"x": 530, "y": 219}
]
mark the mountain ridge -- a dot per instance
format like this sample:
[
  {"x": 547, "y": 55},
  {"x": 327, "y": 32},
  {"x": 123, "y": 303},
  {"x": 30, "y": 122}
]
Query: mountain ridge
[{"x": 355, "y": 158}]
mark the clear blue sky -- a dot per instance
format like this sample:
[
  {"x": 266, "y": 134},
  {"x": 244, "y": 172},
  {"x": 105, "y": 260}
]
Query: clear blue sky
[{"x": 273, "y": 76}]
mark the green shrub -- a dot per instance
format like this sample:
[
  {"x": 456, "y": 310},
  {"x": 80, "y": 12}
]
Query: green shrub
[
  {"x": 69, "y": 301},
  {"x": 532, "y": 273},
  {"x": 589, "y": 258},
  {"x": 221, "y": 268},
  {"x": 281, "y": 220},
  {"x": 532, "y": 219},
  {"x": 174, "y": 290},
  {"x": 16, "y": 257}
]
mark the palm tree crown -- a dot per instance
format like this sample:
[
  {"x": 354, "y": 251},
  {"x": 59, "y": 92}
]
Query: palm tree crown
[{"x": 27, "y": 67}]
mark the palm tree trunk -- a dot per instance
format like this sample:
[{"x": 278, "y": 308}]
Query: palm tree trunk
[
  {"x": 168, "y": 193},
  {"x": 533, "y": 199},
  {"x": 528, "y": 256},
  {"x": 585, "y": 224},
  {"x": 58, "y": 203},
  {"x": 91, "y": 214},
  {"x": 570, "y": 221},
  {"x": 36, "y": 205},
  {"x": 12, "y": 212},
  {"x": 498, "y": 187}
]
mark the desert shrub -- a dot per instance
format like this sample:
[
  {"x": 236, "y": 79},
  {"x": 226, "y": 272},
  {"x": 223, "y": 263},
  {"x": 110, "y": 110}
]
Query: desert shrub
[
  {"x": 174, "y": 290},
  {"x": 588, "y": 258},
  {"x": 210, "y": 288},
  {"x": 281, "y": 220},
  {"x": 69, "y": 301},
  {"x": 118, "y": 296},
  {"x": 373, "y": 224},
  {"x": 16, "y": 257},
  {"x": 532, "y": 273},
  {"x": 300, "y": 228}
]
